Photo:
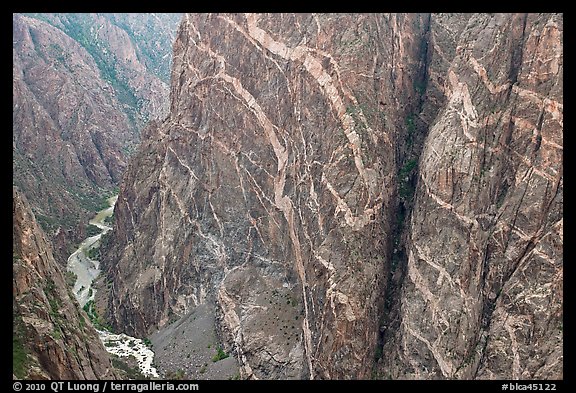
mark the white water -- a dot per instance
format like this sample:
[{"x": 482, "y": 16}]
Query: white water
[{"x": 87, "y": 270}]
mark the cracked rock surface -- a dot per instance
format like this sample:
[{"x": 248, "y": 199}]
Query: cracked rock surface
[
  {"x": 52, "y": 336},
  {"x": 271, "y": 193}
]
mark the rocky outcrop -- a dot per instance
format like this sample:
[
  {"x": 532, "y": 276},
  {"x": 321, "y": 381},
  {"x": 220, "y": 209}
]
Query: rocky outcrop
[
  {"x": 482, "y": 290},
  {"x": 52, "y": 337},
  {"x": 80, "y": 97},
  {"x": 151, "y": 36},
  {"x": 359, "y": 196},
  {"x": 269, "y": 188}
]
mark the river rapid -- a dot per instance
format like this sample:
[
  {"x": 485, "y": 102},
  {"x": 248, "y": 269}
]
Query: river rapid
[{"x": 86, "y": 271}]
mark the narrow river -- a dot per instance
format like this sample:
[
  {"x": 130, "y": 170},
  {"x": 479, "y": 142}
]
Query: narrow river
[{"x": 86, "y": 271}]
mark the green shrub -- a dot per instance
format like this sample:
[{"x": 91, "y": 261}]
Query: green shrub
[
  {"x": 92, "y": 230},
  {"x": 71, "y": 278},
  {"x": 94, "y": 253},
  {"x": 96, "y": 319},
  {"x": 410, "y": 126},
  {"x": 408, "y": 167},
  {"x": 130, "y": 372},
  {"x": 220, "y": 354},
  {"x": 19, "y": 357}
]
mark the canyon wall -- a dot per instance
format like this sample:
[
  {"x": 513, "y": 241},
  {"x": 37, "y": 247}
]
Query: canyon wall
[
  {"x": 52, "y": 337},
  {"x": 355, "y": 196},
  {"x": 482, "y": 291},
  {"x": 81, "y": 94},
  {"x": 268, "y": 190}
]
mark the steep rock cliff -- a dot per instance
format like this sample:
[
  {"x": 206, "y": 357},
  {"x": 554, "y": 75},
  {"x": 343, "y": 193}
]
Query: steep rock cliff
[
  {"x": 482, "y": 291},
  {"x": 268, "y": 190},
  {"x": 52, "y": 337},
  {"x": 345, "y": 189},
  {"x": 80, "y": 96}
]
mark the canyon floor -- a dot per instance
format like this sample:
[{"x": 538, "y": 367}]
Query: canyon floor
[{"x": 188, "y": 348}]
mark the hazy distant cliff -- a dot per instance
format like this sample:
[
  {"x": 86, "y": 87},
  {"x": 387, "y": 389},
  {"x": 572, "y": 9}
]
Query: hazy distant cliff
[{"x": 82, "y": 90}]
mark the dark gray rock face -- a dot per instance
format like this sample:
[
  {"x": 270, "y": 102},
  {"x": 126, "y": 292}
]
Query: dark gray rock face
[
  {"x": 269, "y": 188},
  {"x": 482, "y": 293},
  {"x": 277, "y": 185}
]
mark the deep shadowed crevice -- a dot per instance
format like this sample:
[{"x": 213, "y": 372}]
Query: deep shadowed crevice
[{"x": 411, "y": 143}]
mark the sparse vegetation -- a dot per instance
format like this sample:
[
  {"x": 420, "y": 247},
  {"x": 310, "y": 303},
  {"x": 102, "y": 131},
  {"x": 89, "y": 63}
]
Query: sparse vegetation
[
  {"x": 92, "y": 230},
  {"x": 49, "y": 290},
  {"x": 96, "y": 319},
  {"x": 420, "y": 87},
  {"x": 130, "y": 372},
  {"x": 56, "y": 333},
  {"x": 109, "y": 220},
  {"x": 94, "y": 253},
  {"x": 81, "y": 321},
  {"x": 177, "y": 375},
  {"x": 410, "y": 126},
  {"x": 48, "y": 224},
  {"x": 408, "y": 167},
  {"x": 70, "y": 278},
  {"x": 93, "y": 203},
  {"x": 405, "y": 188},
  {"x": 220, "y": 354},
  {"x": 19, "y": 354},
  {"x": 147, "y": 342},
  {"x": 19, "y": 357}
]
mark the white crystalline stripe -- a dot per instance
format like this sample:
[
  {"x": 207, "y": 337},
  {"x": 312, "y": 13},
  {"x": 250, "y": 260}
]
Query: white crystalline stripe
[
  {"x": 334, "y": 295},
  {"x": 443, "y": 204},
  {"x": 182, "y": 163},
  {"x": 420, "y": 284},
  {"x": 508, "y": 322},
  {"x": 553, "y": 107},
  {"x": 446, "y": 367},
  {"x": 427, "y": 258},
  {"x": 233, "y": 322},
  {"x": 525, "y": 124},
  {"x": 353, "y": 221},
  {"x": 279, "y": 150},
  {"x": 256, "y": 44},
  {"x": 460, "y": 98},
  {"x": 281, "y": 201},
  {"x": 325, "y": 81},
  {"x": 481, "y": 71},
  {"x": 314, "y": 67}
]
